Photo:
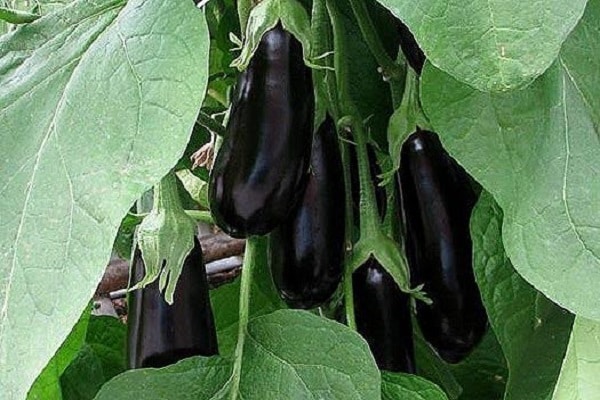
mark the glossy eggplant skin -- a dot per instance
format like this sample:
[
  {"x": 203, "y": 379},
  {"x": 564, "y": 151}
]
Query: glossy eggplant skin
[
  {"x": 306, "y": 252},
  {"x": 438, "y": 199},
  {"x": 261, "y": 168},
  {"x": 412, "y": 52},
  {"x": 160, "y": 334},
  {"x": 383, "y": 318}
]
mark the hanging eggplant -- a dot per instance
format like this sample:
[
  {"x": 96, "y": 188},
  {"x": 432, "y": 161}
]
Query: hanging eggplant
[
  {"x": 306, "y": 252},
  {"x": 438, "y": 199},
  {"x": 260, "y": 171},
  {"x": 160, "y": 334},
  {"x": 382, "y": 313}
]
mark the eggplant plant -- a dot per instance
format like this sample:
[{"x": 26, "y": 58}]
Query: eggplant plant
[{"x": 382, "y": 260}]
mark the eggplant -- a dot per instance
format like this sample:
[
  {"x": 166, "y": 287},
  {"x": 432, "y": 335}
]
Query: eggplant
[
  {"x": 160, "y": 334},
  {"x": 261, "y": 169},
  {"x": 438, "y": 200},
  {"x": 306, "y": 252},
  {"x": 382, "y": 313},
  {"x": 412, "y": 52}
]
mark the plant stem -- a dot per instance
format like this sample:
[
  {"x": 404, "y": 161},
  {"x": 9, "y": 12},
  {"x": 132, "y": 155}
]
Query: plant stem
[
  {"x": 210, "y": 124},
  {"x": 13, "y": 16},
  {"x": 391, "y": 70},
  {"x": 197, "y": 215},
  {"x": 244, "y": 312},
  {"x": 369, "y": 215},
  {"x": 349, "y": 225},
  {"x": 200, "y": 216}
]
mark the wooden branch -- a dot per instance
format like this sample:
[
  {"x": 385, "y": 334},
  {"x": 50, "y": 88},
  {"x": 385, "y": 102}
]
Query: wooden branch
[{"x": 215, "y": 247}]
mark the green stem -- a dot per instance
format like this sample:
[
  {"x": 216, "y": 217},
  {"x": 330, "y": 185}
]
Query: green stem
[
  {"x": 369, "y": 215},
  {"x": 244, "y": 312},
  {"x": 200, "y": 216},
  {"x": 13, "y": 16},
  {"x": 349, "y": 298},
  {"x": 210, "y": 124},
  {"x": 349, "y": 224},
  {"x": 197, "y": 215},
  {"x": 391, "y": 70}
]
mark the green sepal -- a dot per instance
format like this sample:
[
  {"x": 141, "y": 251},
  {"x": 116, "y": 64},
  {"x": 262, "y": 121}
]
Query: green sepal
[
  {"x": 373, "y": 242},
  {"x": 165, "y": 238},
  {"x": 264, "y": 17},
  {"x": 405, "y": 120}
]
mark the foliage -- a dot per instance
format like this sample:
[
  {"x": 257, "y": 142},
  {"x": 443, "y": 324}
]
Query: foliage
[{"x": 100, "y": 99}]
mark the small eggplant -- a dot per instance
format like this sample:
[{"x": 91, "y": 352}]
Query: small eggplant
[
  {"x": 383, "y": 318},
  {"x": 306, "y": 252},
  {"x": 438, "y": 199},
  {"x": 160, "y": 334},
  {"x": 260, "y": 171}
]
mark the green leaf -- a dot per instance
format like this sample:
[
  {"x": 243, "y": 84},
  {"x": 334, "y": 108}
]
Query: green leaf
[
  {"x": 101, "y": 358},
  {"x": 47, "y": 384},
  {"x": 287, "y": 355},
  {"x": 483, "y": 373},
  {"x": 578, "y": 378},
  {"x": 97, "y": 102},
  {"x": 432, "y": 367},
  {"x": 491, "y": 45},
  {"x": 536, "y": 151},
  {"x": 534, "y": 338},
  {"x": 409, "y": 387}
]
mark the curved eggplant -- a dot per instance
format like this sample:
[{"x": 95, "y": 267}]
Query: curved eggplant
[
  {"x": 306, "y": 252},
  {"x": 383, "y": 318},
  {"x": 160, "y": 334},
  {"x": 438, "y": 200},
  {"x": 261, "y": 168}
]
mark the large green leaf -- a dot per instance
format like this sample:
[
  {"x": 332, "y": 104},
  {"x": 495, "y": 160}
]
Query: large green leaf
[
  {"x": 579, "y": 375},
  {"x": 287, "y": 355},
  {"x": 483, "y": 374},
  {"x": 41, "y": 7},
  {"x": 47, "y": 385},
  {"x": 100, "y": 359},
  {"x": 537, "y": 152},
  {"x": 97, "y": 103},
  {"x": 532, "y": 331},
  {"x": 409, "y": 387},
  {"x": 493, "y": 45},
  {"x": 433, "y": 368}
]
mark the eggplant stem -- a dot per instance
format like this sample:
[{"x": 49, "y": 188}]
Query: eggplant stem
[{"x": 244, "y": 313}]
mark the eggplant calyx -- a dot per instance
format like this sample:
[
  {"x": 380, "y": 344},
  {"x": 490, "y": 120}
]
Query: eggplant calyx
[{"x": 166, "y": 238}]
